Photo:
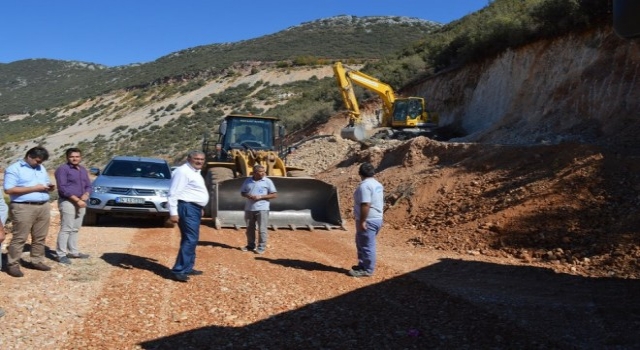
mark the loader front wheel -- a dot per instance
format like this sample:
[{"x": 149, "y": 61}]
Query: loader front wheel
[
  {"x": 215, "y": 176},
  {"x": 220, "y": 174}
]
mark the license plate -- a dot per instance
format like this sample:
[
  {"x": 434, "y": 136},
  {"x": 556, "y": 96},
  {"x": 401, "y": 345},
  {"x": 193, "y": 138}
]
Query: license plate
[{"x": 130, "y": 200}]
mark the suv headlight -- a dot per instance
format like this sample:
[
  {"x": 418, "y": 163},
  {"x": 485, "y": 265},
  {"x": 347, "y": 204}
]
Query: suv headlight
[
  {"x": 101, "y": 189},
  {"x": 162, "y": 193}
]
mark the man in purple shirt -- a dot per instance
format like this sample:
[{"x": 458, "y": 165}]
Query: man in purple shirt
[{"x": 74, "y": 187}]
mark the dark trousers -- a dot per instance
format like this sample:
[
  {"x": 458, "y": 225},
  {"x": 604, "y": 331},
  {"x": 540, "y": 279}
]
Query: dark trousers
[{"x": 190, "y": 215}]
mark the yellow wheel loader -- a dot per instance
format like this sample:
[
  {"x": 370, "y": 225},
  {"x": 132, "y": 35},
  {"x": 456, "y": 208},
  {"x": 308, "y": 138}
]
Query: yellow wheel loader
[{"x": 247, "y": 140}]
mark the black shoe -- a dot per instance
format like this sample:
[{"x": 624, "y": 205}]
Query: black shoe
[
  {"x": 14, "y": 270},
  {"x": 78, "y": 256},
  {"x": 180, "y": 277},
  {"x": 247, "y": 249},
  {"x": 39, "y": 266},
  {"x": 195, "y": 272}
]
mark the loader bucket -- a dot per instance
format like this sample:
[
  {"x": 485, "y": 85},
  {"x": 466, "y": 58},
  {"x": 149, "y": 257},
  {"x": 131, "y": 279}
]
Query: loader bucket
[{"x": 302, "y": 202}]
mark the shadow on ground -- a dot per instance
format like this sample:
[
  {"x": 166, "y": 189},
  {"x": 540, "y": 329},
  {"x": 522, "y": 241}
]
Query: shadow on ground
[
  {"x": 451, "y": 304},
  {"x": 129, "y": 261}
]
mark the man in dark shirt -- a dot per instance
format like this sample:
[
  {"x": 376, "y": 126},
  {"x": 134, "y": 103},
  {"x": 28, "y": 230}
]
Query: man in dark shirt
[{"x": 74, "y": 187}]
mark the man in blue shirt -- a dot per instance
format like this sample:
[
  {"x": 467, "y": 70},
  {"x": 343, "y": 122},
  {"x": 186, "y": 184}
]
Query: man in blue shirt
[
  {"x": 27, "y": 184},
  {"x": 368, "y": 210},
  {"x": 74, "y": 187},
  {"x": 4, "y": 213},
  {"x": 257, "y": 189}
]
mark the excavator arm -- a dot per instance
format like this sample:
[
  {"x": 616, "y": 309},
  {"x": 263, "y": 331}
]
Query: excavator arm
[
  {"x": 399, "y": 114},
  {"x": 348, "y": 95},
  {"x": 346, "y": 79}
]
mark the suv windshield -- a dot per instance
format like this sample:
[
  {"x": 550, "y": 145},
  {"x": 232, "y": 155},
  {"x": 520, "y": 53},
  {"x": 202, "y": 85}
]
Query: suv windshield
[{"x": 129, "y": 168}]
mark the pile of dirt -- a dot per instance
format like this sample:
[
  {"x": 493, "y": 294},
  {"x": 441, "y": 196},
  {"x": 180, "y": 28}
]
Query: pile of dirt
[{"x": 572, "y": 207}]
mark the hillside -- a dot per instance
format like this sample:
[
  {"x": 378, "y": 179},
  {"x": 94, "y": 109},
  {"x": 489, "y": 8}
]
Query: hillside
[{"x": 30, "y": 85}]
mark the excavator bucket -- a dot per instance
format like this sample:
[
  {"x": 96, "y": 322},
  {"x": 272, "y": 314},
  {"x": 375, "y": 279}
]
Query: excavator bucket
[
  {"x": 353, "y": 133},
  {"x": 302, "y": 203}
]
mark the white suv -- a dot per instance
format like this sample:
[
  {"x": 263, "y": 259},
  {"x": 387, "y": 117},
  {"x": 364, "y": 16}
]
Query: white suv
[{"x": 130, "y": 186}]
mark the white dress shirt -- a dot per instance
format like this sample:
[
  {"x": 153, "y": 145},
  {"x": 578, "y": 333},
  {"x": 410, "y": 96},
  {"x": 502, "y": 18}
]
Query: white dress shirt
[{"x": 187, "y": 184}]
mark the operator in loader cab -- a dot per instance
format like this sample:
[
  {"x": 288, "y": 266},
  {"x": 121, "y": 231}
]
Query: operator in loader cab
[{"x": 248, "y": 135}]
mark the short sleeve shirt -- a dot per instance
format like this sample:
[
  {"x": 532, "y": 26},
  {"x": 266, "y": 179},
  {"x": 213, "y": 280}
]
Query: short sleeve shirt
[
  {"x": 261, "y": 187},
  {"x": 369, "y": 191}
]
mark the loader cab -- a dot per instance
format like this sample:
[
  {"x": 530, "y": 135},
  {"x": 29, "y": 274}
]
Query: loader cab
[{"x": 250, "y": 132}]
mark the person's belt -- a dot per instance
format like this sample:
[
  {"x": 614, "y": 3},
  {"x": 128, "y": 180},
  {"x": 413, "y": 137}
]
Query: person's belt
[
  {"x": 190, "y": 203},
  {"x": 30, "y": 203}
]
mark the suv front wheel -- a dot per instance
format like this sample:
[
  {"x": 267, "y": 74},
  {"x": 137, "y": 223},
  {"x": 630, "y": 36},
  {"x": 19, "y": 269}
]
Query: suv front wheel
[{"x": 90, "y": 218}]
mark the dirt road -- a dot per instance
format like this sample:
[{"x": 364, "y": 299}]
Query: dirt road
[{"x": 297, "y": 295}]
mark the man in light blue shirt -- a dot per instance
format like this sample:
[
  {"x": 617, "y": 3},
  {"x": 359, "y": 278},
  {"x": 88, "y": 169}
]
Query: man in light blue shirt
[
  {"x": 27, "y": 184},
  {"x": 4, "y": 213},
  {"x": 368, "y": 209},
  {"x": 257, "y": 189}
]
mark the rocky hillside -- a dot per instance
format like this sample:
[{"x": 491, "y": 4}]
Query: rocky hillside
[
  {"x": 547, "y": 169},
  {"x": 578, "y": 88}
]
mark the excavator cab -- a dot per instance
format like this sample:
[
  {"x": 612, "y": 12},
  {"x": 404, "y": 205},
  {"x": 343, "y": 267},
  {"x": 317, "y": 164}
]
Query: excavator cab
[{"x": 408, "y": 112}]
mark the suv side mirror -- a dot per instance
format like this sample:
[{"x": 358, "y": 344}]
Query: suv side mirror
[
  {"x": 626, "y": 18},
  {"x": 94, "y": 171}
]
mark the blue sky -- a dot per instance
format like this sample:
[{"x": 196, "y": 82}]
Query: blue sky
[{"x": 119, "y": 32}]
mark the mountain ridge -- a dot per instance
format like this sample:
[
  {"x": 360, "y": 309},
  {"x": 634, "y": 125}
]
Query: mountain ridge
[{"x": 34, "y": 84}]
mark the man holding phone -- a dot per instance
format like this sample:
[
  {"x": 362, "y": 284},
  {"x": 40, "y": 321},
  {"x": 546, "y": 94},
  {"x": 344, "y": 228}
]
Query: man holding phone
[{"x": 27, "y": 184}]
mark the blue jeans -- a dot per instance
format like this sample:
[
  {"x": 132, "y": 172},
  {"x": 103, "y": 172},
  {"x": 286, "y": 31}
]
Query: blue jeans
[
  {"x": 366, "y": 245},
  {"x": 261, "y": 217},
  {"x": 190, "y": 215}
]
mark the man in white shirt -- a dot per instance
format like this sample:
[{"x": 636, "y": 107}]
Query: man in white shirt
[{"x": 187, "y": 197}]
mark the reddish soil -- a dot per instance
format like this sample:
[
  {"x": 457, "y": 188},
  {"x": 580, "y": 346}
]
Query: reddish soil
[{"x": 484, "y": 246}]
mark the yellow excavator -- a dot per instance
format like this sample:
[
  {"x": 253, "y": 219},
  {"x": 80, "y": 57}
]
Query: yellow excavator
[
  {"x": 247, "y": 140},
  {"x": 399, "y": 115}
]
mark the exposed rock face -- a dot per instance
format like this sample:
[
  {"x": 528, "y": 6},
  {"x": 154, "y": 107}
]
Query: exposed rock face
[{"x": 575, "y": 88}]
